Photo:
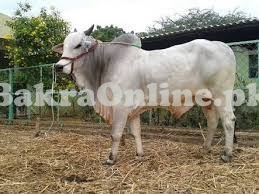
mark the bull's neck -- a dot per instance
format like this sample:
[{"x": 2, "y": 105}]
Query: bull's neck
[
  {"x": 102, "y": 59},
  {"x": 88, "y": 75}
]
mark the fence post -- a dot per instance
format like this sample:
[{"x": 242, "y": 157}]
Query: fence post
[
  {"x": 28, "y": 107},
  {"x": 10, "y": 107},
  {"x": 58, "y": 109},
  {"x": 40, "y": 111},
  {"x": 150, "y": 117},
  {"x": 257, "y": 80}
]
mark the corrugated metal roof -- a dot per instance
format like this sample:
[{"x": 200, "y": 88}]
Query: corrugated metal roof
[{"x": 241, "y": 22}]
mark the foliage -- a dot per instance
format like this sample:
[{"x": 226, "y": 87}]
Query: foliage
[
  {"x": 246, "y": 116},
  {"x": 33, "y": 38},
  {"x": 194, "y": 18},
  {"x": 142, "y": 34},
  {"x": 107, "y": 33}
]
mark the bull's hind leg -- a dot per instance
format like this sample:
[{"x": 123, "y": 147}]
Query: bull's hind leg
[
  {"x": 212, "y": 121},
  {"x": 228, "y": 121},
  {"x": 136, "y": 132},
  {"x": 120, "y": 116}
]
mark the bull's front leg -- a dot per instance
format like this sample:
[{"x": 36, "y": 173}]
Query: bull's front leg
[{"x": 119, "y": 121}]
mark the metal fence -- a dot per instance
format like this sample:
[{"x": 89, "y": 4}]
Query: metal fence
[
  {"x": 246, "y": 54},
  {"x": 247, "y": 72},
  {"x": 26, "y": 77}
]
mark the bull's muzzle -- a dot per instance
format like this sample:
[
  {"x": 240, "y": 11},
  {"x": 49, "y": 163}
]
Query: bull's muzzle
[{"x": 59, "y": 68}]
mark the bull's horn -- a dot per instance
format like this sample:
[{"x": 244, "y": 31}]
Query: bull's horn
[{"x": 89, "y": 31}]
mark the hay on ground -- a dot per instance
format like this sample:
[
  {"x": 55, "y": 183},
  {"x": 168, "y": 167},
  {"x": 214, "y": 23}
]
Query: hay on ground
[{"x": 68, "y": 162}]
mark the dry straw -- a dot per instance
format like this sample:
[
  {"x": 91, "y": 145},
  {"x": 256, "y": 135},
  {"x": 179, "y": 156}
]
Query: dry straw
[{"x": 68, "y": 162}]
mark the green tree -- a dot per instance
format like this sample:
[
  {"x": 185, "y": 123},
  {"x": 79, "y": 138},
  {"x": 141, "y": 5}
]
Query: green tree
[
  {"x": 194, "y": 18},
  {"x": 142, "y": 34},
  {"x": 32, "y": 40},
  {"x": 34, "y": 37},
  {"x": 107, "y": 33}
]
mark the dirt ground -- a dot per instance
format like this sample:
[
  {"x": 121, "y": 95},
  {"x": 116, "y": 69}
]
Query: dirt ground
[{"x": 69, "y": 162}]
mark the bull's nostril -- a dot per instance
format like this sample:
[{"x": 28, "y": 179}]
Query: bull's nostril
[{"x": 58, "y": 68}]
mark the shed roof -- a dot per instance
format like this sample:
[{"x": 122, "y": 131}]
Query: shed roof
[{"x": 242, "y": 30}]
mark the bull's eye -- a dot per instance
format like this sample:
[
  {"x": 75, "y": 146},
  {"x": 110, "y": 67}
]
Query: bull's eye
[{"x": 78, "y": 46}]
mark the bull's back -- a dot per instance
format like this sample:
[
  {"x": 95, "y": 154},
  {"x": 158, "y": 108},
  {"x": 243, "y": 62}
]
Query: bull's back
[{"x": 196, "y": 64}]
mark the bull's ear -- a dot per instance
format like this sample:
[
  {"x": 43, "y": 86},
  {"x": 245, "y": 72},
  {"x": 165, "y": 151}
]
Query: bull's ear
[
  {"x": 58, "y": 48},
  {"x": 89, "y": 31}
]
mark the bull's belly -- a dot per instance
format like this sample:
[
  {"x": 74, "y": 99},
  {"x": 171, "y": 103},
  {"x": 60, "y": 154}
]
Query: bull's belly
[
  {"x": 177, "y": 106},
  {"x": 176, "y": 111}
]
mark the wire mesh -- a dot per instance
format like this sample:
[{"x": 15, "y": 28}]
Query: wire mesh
[
  {"x": 247, "y": 72},
  {"x": 247, "y": 64},
  {"x": 24, "y": 78}
]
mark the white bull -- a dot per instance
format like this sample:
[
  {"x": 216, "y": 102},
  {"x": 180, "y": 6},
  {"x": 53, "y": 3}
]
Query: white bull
[{"x": 199, "y": 64}]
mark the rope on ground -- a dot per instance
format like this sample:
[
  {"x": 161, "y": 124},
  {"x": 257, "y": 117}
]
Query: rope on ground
[
  {"x": 52, "y": 98},
  {"x": 38, "y": 133}
]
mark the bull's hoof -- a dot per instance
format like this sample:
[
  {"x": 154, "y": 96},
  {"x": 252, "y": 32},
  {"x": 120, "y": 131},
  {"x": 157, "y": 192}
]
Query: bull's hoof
[
  {"x": 206, "y": 148},
  {"x": 206, "y": 151},
  {"x": 109, "y": 162},
  {"x": 139, "y": 158},
  {"x": 226, "y": 158}
]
